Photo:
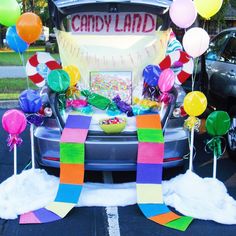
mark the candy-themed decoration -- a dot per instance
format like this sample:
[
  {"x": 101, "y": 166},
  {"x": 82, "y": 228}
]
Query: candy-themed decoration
[
  {"x": 149, "y": 174},
  {"x": 217, "y": 125},
  {"x": 184, "y": 59},
  {"x": 73, "y": 73},
  {"x": 34, "y": 61},
  {"x": 58, "y": 80},
  {"x": 113, "y": 125},
  {"x": 123, "y": 106},
  {"x": 195, "y": 103},
  {"x": 30, "y": 103},
  {"x": 72, "y": 152},
  {"x": 14, "y": 122}
]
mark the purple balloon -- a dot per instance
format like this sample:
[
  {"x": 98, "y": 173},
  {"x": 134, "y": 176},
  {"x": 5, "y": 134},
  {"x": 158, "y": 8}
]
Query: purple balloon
[
  {"x": 151, "y": 75},
  {"x": 30, "y": 101}
]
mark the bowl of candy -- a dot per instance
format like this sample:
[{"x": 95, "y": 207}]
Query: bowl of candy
[{"x": 113, "y": 125}]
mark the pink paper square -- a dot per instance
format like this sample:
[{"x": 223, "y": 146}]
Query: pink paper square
[
  {"x": 150, "y": 153},
  {"x": 29, "y": 218},
  {"x": 74, "y": 135}
]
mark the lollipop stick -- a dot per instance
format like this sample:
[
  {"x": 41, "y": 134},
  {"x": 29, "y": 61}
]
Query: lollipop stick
[
  {"x": 32, "y": 145},
  {"x": 15, "y": 160},
  {"x": 162, "y": 108},
  {"x": 214, "y": 166},
  {"x": 191, "y": 150}
]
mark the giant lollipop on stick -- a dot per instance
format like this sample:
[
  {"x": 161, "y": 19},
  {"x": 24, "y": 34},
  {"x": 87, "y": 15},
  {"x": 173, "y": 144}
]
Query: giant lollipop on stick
[
  {"x": 217, "y": 124},
  {"x": 195, "y": 104},
  {"x": 14, "y": 122},
  {"x": 30, "y": 103}
]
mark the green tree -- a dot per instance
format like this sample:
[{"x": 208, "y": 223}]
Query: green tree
[{"x": 233, "y": 3}]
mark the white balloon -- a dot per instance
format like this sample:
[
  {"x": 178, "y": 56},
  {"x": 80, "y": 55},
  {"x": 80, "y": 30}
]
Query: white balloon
[{"x": 196, "y": 41}]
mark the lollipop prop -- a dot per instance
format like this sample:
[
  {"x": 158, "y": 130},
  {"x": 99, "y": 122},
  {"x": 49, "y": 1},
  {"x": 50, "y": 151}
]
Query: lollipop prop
[
  {"x": 217, "y": 124},
  {"x": 30, "y": 103},
  {"x": 14, "y": 122},
  {"x": 165, "y": 84},
  {"x": 195, "y": 104}
]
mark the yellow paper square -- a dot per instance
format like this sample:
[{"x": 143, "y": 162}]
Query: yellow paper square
[
  {"x": 149, "y": 193},
  {"x": 60, "y": 208}
]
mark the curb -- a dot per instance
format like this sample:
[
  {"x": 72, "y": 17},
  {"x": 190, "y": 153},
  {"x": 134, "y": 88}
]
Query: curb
[{"x": 9, "y": 104}]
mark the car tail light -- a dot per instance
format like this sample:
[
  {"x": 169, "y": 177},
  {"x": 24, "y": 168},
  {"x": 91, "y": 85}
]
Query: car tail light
[
  {"x": 169, "y": 159},
  {"x": 51, "y": 158}
]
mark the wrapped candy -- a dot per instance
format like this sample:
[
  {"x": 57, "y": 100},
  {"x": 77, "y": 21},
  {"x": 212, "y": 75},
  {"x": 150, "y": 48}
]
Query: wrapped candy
[{"x": 123, "y": 106}]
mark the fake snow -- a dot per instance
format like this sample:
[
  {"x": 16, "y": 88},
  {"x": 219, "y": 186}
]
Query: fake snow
[{"x": 202, "y": 198}]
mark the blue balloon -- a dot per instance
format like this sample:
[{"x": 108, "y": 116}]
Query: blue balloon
[
  {"x": 151, "y": 75},
  {"x": 30, "y": 101},
  {"x": 14, "y": 41}
]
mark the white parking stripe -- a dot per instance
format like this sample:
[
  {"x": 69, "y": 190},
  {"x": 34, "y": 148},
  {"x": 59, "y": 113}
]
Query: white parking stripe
[
  {"x": 113, "y": 221},
  {"x": 112, "y": 212}
]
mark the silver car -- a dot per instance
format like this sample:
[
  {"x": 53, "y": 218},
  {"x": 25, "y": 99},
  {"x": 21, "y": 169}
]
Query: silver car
[
  {"x": 221, "y": 82},
  {"x": 114, "y": 152}
]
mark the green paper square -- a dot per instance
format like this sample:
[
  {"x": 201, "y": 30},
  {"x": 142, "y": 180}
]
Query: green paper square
[
  {"x": 72, "y": 153},
  {"x": 150, "y": 135},
  {"x": 180, "y": 224}
]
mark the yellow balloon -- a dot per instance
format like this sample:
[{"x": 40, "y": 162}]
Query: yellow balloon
[
  {"x": 208, "y": 8},
  {"x": 195, "y": 103},
  {"x": 73, "y": 73}
]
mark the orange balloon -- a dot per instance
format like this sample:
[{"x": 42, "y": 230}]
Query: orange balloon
[{"x": 29, "y": 27}]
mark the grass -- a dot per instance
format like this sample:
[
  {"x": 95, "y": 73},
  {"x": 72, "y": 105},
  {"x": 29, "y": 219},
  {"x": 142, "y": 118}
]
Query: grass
[
  {"x": 11, "y": 88},
  {"x": 11, "y": 58}
]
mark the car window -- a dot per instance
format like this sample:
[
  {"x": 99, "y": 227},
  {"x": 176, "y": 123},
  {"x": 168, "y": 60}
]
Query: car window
[
  {"x": 229, "y": 53},
  {"x": 216, "y": 46}
]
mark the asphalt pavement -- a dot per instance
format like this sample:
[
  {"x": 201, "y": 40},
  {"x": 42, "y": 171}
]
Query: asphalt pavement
[{"x": 94, "y": 221}]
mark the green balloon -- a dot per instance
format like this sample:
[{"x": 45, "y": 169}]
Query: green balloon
[
  {"x": 218, "y": 123},
  {"x": 58, "y": 80},
  {"x": 9, "y": 12}
]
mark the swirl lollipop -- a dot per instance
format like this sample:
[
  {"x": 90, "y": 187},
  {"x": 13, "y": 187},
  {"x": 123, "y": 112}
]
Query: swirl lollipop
[
  {"x": 30, "y": 103},
  {"x": 165, "y": 84},
  {"x": 195, "y": 104},
  {"x": 14, "y": 122},
  {"x": 217, "y": 125}
]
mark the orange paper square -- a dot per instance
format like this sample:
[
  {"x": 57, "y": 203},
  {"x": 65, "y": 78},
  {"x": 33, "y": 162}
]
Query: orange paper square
[
  {"x": 148, "y": 121},
  {"x": 165, "y": 218},
  {"x": 71, "y": 173}
]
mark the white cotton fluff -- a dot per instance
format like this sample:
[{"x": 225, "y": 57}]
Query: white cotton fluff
[
  {"x": 202, "y": 198},
  {"x": 30, "y": 190}
]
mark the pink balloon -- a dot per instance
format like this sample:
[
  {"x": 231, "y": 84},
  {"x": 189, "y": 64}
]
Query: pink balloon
[
  {"x": 166, "y": 80},
  {"x": 14, "y": 121},
  {"x": 183, "y": 13}
]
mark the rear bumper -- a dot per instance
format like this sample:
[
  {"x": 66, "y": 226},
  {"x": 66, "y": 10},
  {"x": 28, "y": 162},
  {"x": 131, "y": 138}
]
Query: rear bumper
[{"x": 111, "y": 152}]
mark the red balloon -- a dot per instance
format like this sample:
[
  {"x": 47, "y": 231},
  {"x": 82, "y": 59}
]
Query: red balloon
[{"x": 29, "y": 27}]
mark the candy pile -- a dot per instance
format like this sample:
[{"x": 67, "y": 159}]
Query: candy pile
[{"x": 112, "y": 121}]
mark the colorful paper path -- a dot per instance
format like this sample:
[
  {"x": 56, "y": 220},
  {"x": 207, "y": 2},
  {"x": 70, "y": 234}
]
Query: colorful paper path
[
  {"x": 71, "y": 173},
  {"x": 149, "y": 174}
]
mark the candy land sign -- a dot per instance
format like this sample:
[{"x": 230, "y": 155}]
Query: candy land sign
[{"x": 113, "y": 23}]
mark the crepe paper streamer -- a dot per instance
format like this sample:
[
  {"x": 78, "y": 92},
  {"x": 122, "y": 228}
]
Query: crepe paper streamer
[
  {"x": 71, "y": 173},
  {"x": 149, "y": 175},
  {"x": 96, "y": 100},
  {"x": 182, "y": 57},
  {"x": 34, "y": 61},
  {"x": 123, "y": 106},
  {"x": 217, "y": 124}
]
